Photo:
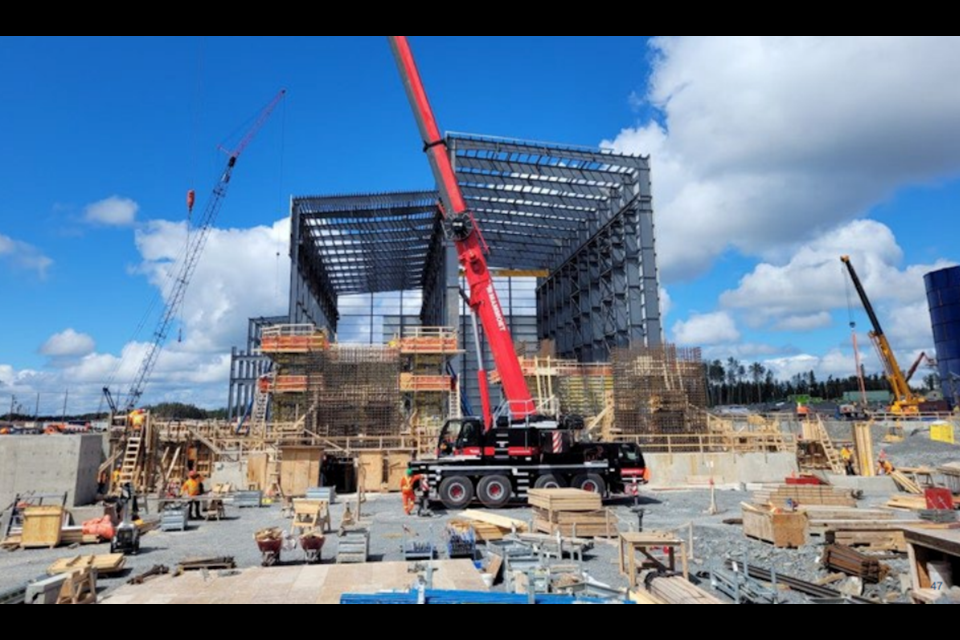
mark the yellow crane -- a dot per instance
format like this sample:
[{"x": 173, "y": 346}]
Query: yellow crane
[{"x": 905, "y": 401}]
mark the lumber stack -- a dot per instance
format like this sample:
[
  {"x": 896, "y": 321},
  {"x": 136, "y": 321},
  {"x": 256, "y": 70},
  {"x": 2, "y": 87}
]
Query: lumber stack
[
  {"x": 783, "y": 530},
  {"x": 780, "y": 495},
  {"x": 572, "y": 514},
  {"x": 853, "y": 563},
  {"x": 912, "y": 503},
  {"x": 824, "y": 519},
  {"x": 677, "y": 591},
  {"x": 489, "y": 527},
  {"x": 874, "y": 538},
  {"x": 906, "y": 484}
]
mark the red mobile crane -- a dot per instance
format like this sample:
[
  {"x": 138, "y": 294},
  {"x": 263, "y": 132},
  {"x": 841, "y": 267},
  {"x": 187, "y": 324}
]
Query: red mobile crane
[{"x": 507, "y": 454}]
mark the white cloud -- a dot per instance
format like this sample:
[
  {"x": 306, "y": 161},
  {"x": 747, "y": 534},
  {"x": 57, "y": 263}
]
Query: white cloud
[
  {"x": 798, "y": 294},
  {"x": 666, "y": 303},
  {"x": 706, "y": 330},
  {"x": 23, "y": 256},
  {"x": 835, "y": 363},
  {"x": 748, "y": 351},
  {"x": 114, "y": 211},
  {"x": 802, "y": 323},
  {"x": 68, "y": 344},
  {"x": 238, "y": 277},
  {"x": 770, "y": 140}
]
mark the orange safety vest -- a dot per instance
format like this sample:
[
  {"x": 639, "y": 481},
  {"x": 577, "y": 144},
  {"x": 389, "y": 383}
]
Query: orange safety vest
[
  {"x": 191, "y": 488},
  {"x": 407, "y": 485}
]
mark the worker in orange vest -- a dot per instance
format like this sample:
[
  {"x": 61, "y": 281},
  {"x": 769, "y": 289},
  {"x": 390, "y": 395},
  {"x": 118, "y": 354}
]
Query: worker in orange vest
[
  {"x": 193, "y": 489},
  {"x": 408, "y": 488}
]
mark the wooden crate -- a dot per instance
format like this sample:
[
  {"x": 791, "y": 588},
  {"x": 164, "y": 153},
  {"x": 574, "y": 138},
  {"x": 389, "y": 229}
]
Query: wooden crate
[
  {"x": 299, "y": 470},
  {"x": 572, "y": 500},
  {"x": 42, "y": 527},
  {"x": 783, "y": 530}
]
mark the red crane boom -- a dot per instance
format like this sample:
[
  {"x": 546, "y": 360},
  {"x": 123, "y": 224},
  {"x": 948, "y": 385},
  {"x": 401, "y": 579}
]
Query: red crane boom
[{"x": 483, "y": 297}]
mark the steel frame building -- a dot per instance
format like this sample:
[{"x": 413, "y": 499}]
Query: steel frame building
[{"x": 581, "y": 217}]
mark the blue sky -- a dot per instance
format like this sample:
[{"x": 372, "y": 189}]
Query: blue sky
[{"x": 89, "y": 118}]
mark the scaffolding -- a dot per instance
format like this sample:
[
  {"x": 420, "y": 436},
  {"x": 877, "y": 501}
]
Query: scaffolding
[
  {"x": 659, "y": 391},
  {"x": 430, "y": 388}
]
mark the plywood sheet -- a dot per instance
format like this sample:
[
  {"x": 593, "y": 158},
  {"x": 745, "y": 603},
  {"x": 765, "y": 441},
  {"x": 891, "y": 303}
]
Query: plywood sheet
[{"x": 324, "y": 584}]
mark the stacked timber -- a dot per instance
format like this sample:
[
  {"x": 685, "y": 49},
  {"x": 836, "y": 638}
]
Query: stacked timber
[
  {"x": 678, "y": 591},
  {"x": 906, "y": 484},
  {"x": 572, "y": 514},
  {"x": 780, "y": 496},
  {"x": 913, "y": 503},
  {"x": 489, "y": 527},
  {"x": 824, "y": 519},
  {"x": 853, "y": 563}
]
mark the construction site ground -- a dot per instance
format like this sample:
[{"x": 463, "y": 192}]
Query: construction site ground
[
  {"x": 665, "y": 510},
  {"x": 714, "y": 541}
]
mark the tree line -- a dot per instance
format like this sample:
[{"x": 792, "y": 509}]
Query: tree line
[{"x": 735, "y": 382}]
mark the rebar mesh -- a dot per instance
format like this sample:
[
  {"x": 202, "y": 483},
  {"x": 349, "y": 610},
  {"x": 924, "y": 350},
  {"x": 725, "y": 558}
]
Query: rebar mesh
[{"x": 659, "y": 391}]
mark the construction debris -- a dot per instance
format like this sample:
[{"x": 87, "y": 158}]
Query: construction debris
[
  {"x": 205, "y": 564},
  {"x": 490, "y": 527},
  {"x": 837, "y": 557},
  {"x": 146, "y": 576}
]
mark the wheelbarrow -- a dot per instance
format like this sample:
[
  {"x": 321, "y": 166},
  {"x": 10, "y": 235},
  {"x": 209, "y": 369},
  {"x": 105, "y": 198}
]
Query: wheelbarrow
[
  {"x": 312, "y": 545},
  {"x": 270, "y": 543}
]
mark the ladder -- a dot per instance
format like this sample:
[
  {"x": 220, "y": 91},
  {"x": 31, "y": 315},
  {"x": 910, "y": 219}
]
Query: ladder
[
  {"x": 833, "y": 456},
  {"x": 261, "y": 401},
  {"x": 131, "y": 459}
]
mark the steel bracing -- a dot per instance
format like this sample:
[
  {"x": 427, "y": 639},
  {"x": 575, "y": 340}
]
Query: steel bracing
[{"x": 583, "y": 216}]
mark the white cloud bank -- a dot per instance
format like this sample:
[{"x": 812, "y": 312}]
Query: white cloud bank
[
  {"x": 768, "y": 141},
  {"x": 68, "y": 344},
  {"x": 114, "y": 211},
  {"x": 706, "y": 330},
  {"x": 23, "y": 257}
]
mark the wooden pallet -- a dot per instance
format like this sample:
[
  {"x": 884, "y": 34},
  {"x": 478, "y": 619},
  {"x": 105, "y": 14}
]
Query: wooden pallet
[
  {"x": 105, "y": 565},
  {"x": 580, "y": 524}
]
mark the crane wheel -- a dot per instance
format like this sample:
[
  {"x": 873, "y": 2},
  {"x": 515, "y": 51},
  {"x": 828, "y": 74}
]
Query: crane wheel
[
  {"x": 550, "y": 482},
  {"x": 456, "y": 493},
  {"x": 495, "y": 492},
  {"x": 591, "y": 483}
]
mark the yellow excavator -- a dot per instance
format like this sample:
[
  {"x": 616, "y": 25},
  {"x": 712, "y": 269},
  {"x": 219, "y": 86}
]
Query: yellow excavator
[{"x": 906, "y": 402}]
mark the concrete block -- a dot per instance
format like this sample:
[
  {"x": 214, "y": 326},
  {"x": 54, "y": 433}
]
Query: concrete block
[
  {"x": 677, "y": 470},
  {"x": 50, "y": 464}
]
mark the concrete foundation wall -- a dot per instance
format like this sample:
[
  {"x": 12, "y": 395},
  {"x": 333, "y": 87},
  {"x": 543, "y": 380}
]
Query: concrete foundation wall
[
  {"x": 684, "y": 469},
  {"x": 50, "y": 464}
]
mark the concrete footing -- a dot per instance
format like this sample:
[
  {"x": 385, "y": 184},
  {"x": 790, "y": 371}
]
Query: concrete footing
[
  {"x": 696, "y": 469},
  {"x": 50, "y": 464}
]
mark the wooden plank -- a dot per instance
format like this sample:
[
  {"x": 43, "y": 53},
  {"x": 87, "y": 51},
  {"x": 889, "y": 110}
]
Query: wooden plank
[
  {"x": 506, "y": 524},
  {"x": 299, "y": 470},
  {"x": 373, "y": 466},
  {"x": 42, "y": 527},
  {"x": 257, "y": 471},
  {"x": 397, "y": 465},
  {"x": 565, "y": 500},
  {"x": 105, "y": 565}
]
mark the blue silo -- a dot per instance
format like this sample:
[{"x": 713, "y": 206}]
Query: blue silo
[{"x": 943, "y": 293}]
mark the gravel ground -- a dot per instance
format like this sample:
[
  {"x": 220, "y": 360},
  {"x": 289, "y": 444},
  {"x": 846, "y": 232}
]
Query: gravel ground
[{"x": 713, "y": 541}]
